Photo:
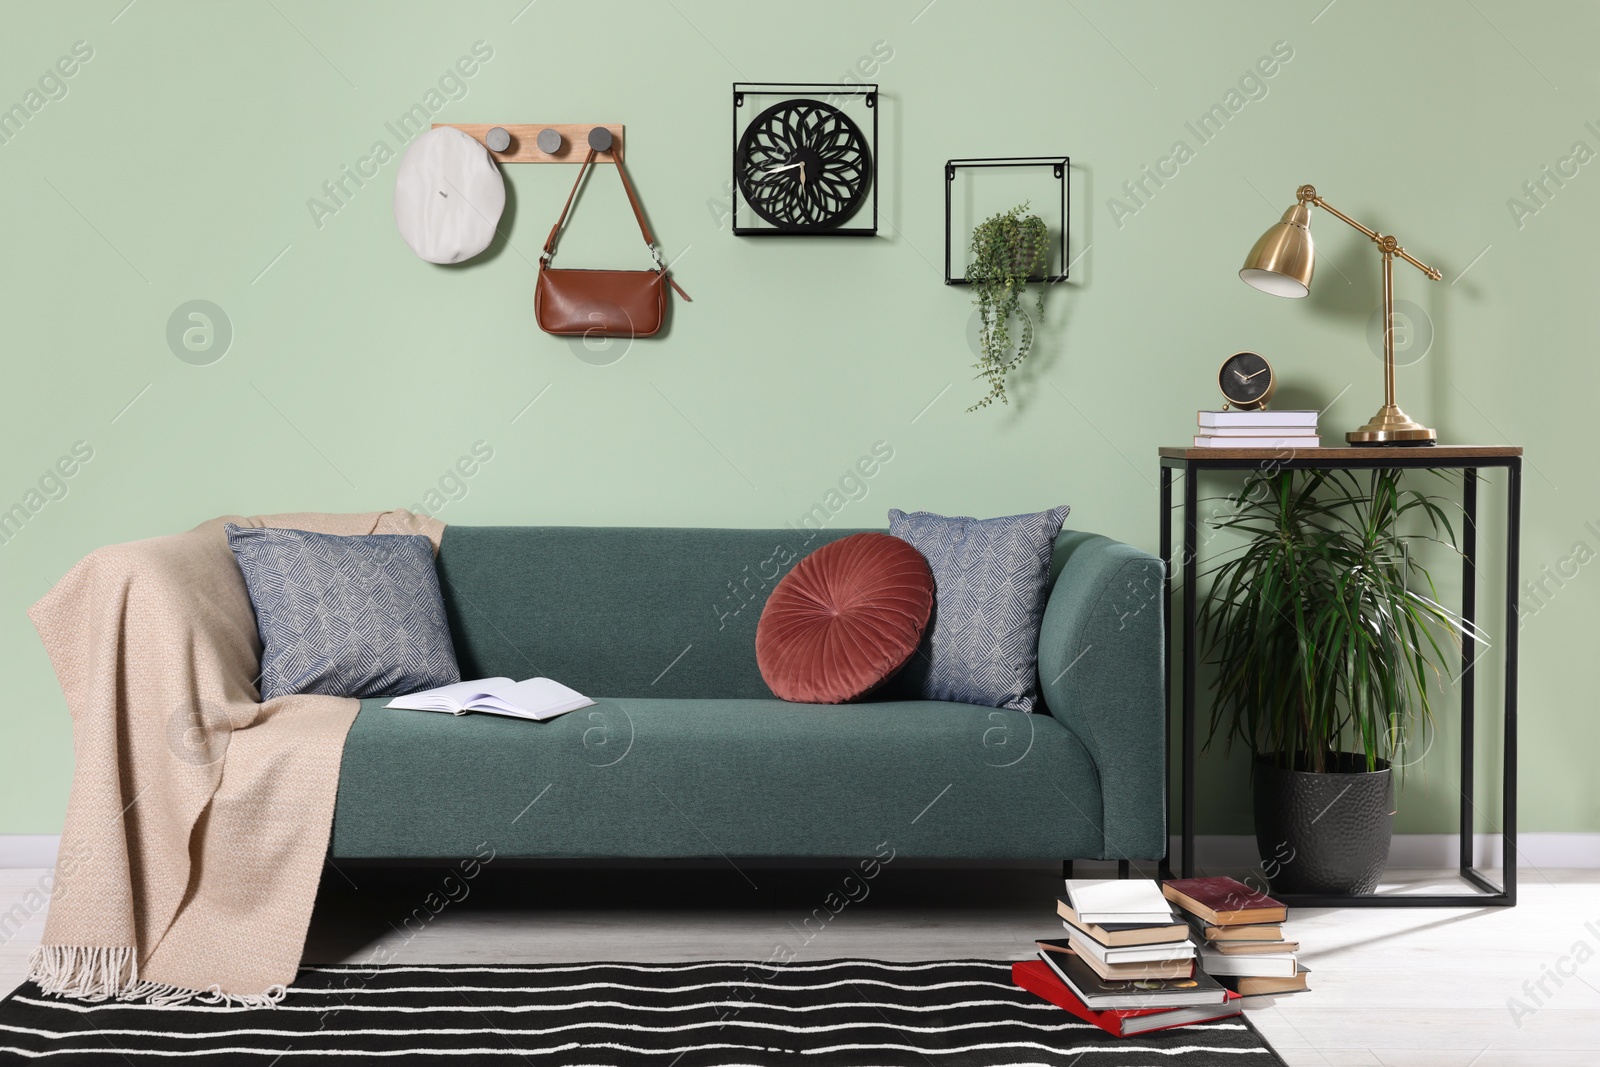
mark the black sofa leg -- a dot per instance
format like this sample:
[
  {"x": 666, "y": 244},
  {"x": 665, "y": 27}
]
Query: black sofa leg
[{"x": 1123, "y": 868}]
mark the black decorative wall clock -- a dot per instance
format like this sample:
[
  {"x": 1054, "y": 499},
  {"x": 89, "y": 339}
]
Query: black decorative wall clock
[{"x": 802, "y": 162}]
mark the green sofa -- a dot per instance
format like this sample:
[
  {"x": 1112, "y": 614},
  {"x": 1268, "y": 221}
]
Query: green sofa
[{"x": 688, "y": 754}]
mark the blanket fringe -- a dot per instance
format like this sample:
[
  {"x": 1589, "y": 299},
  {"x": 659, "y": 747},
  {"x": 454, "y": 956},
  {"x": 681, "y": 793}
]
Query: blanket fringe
[{"x": 95, "y": 974}]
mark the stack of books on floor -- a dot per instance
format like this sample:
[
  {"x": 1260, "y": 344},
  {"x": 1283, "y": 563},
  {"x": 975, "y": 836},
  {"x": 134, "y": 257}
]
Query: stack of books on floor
[
  {"x": 1127, "y": 964},
  {"x": 1240, "y": 934},
  {"x": 1258, "y": 429}
]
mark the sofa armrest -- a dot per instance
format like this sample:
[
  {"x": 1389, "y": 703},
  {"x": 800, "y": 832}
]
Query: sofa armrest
[{"x": 1102, "y": 672}]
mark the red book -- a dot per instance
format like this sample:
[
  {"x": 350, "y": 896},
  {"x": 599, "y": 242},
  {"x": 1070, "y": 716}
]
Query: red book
[
  {"x": 1039, "y": 980},
  {"x": 1223, "y": 901}
]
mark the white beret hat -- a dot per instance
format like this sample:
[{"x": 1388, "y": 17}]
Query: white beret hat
[{"x": 448, "y": 196}]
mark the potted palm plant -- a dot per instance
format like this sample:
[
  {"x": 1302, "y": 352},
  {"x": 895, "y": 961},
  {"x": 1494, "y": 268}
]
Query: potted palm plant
[
  {"x": 1006, "y": 250},
  {"x": 1327, "y": 635}
]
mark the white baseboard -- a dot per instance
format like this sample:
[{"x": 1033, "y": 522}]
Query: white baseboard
[
  {"x": 1425, "y": 850},
  {"x": 28, "y": 850},
  {"x": 1211, "y": 850}
]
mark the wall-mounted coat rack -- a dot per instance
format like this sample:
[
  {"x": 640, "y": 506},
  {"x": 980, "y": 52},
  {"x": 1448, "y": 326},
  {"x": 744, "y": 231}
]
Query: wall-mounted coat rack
[{"x": 532, "y": 143}]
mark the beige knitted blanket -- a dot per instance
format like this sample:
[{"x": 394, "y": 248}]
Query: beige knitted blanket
[{"x": 198, "y": 817}]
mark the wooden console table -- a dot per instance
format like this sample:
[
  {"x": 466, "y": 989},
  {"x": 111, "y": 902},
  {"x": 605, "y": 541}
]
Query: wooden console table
[{"x": 1468, "y": 459}]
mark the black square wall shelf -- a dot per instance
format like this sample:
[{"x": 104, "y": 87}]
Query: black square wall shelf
[
  {"x": 805, "y": 159},
  {"x": 1060, "y": 166}
]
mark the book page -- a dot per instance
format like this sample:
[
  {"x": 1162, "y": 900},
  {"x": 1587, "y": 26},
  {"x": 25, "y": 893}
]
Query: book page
[
  {"x": 540, "y": 697},
  {"x": 449, "y": 697}
]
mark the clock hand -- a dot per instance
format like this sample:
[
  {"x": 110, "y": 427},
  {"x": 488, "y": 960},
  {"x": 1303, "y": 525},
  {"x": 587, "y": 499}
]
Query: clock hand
[
  {"x": 1257, "y": 374},
  {"x": 1241, "y": 377},
  {"x": 790, "y": 166}
]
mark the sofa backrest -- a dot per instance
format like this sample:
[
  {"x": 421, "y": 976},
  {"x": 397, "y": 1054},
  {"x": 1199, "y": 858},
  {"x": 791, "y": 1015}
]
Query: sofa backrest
[{"x": 616, "y": 611}]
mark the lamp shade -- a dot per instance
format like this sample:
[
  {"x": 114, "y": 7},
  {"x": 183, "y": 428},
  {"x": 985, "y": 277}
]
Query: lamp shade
[{"x": 1282, "y": 260}]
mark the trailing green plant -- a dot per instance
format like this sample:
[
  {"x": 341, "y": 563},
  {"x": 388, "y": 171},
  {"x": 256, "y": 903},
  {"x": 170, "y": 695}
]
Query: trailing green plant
[
  {"x": 1006, "y": 249},
  {"x": 1324, "y": 628}
]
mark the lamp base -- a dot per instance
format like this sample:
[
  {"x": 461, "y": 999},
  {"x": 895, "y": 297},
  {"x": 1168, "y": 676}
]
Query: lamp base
[{"x": 1391, "y": 426}]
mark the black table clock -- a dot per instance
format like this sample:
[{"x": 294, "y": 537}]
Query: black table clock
[
  {"x": 802, "y": 162},
  {"x": 1246, "y": 381}
]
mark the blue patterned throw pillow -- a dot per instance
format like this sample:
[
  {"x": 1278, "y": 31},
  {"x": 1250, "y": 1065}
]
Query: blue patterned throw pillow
[
  {"x": 345, "y": 616},
  {"x": 989, "y": 585}
]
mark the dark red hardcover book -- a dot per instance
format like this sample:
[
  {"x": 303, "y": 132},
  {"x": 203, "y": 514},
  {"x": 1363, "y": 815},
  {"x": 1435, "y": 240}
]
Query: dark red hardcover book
[
  {"x": 1223, "y": 901},
  {"x": 1039, "y": 980}
]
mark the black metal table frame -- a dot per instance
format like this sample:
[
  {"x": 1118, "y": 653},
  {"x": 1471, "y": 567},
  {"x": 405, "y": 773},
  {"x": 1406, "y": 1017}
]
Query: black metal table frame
[{"x": 1504, "y": 895}]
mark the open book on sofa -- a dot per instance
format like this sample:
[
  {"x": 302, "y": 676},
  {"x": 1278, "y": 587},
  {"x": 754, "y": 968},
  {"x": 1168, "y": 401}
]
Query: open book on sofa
[{"x": 531, "y": 698}]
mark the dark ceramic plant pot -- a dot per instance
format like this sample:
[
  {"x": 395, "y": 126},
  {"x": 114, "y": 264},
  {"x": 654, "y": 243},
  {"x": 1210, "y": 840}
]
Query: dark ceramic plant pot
[{"x": 1323, "y": 832}]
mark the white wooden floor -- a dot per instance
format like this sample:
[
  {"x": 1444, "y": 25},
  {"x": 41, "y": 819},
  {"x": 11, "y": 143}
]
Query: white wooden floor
[{"x": 1391, "y": 987}]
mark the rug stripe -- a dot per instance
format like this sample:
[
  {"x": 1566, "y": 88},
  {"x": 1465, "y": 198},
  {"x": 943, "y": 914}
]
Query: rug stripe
[
  {"x": 557, "y": 968},
  {"x": 320, "y": 1009},
  {"x": 633, "y": 988},
  {"x": 1080, "y": 1050},
  {"x": 502, "y": 1051},
  {"x": 463, "y": 1031}
]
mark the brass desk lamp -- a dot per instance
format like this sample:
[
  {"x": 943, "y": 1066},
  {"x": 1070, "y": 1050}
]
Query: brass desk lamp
[{"x": 1281, "y": 263}]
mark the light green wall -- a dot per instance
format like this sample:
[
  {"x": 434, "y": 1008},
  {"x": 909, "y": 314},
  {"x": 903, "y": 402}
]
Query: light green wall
[{"x": 180, "y": 162}]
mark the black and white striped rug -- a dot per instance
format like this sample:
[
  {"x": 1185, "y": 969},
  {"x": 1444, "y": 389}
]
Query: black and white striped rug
[{"x": 833, "y": 1012}]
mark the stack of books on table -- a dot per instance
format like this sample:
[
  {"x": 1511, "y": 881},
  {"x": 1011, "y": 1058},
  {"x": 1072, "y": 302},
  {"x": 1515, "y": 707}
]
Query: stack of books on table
[
  {"x": 1240, "y": 934},
  {"x": 1127, "y": 964},
  {"x": 1258, "y": 429}
]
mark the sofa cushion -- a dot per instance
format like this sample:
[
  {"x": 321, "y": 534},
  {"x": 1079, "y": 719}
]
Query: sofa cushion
[
  {"x": 844, "y": 619},
  {"x": 345, "y": 616},
  {"x": 720, "y": 779},
  {"x": 991, "y": 579}
]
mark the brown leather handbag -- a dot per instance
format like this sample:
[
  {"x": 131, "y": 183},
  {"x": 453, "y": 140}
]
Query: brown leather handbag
[{"x": 602, "y": 303}]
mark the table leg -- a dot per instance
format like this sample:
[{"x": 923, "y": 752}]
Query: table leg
[
  {"x": 1191, "y": 529},
  {"x": 1508, "y": 774},
  {"x": 1469, "y": 656},
  {"x": 1166, "y": 658}
]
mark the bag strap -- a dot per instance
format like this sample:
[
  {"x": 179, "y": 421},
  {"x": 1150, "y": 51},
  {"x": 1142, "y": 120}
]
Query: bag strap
[
  {"x": 550, "y": 242},
  {"x": 633, "y": 202}
]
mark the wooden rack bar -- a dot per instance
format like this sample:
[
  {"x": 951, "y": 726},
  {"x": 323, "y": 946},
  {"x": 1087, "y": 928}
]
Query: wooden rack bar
[{"x": 524, "y": 141}]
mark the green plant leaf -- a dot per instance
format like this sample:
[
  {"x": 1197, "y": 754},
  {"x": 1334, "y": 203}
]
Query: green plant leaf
[{"x": 1005, "y": 250}]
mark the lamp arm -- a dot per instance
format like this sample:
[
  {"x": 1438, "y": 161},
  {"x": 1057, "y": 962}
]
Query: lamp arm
[{"x": 1308, "y": 194}]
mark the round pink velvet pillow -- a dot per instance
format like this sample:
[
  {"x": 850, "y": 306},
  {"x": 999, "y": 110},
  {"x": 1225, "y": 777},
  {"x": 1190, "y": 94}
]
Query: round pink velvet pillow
[{"x": 844, "y": 619}]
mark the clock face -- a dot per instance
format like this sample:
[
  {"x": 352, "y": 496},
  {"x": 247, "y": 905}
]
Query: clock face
[
  {"x": 803, "y": 165},
  {"x": 1246, "y": 380}
]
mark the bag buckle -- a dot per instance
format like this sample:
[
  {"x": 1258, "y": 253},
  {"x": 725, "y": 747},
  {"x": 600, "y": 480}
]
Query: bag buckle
[{"x": 655, "y": 254}]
